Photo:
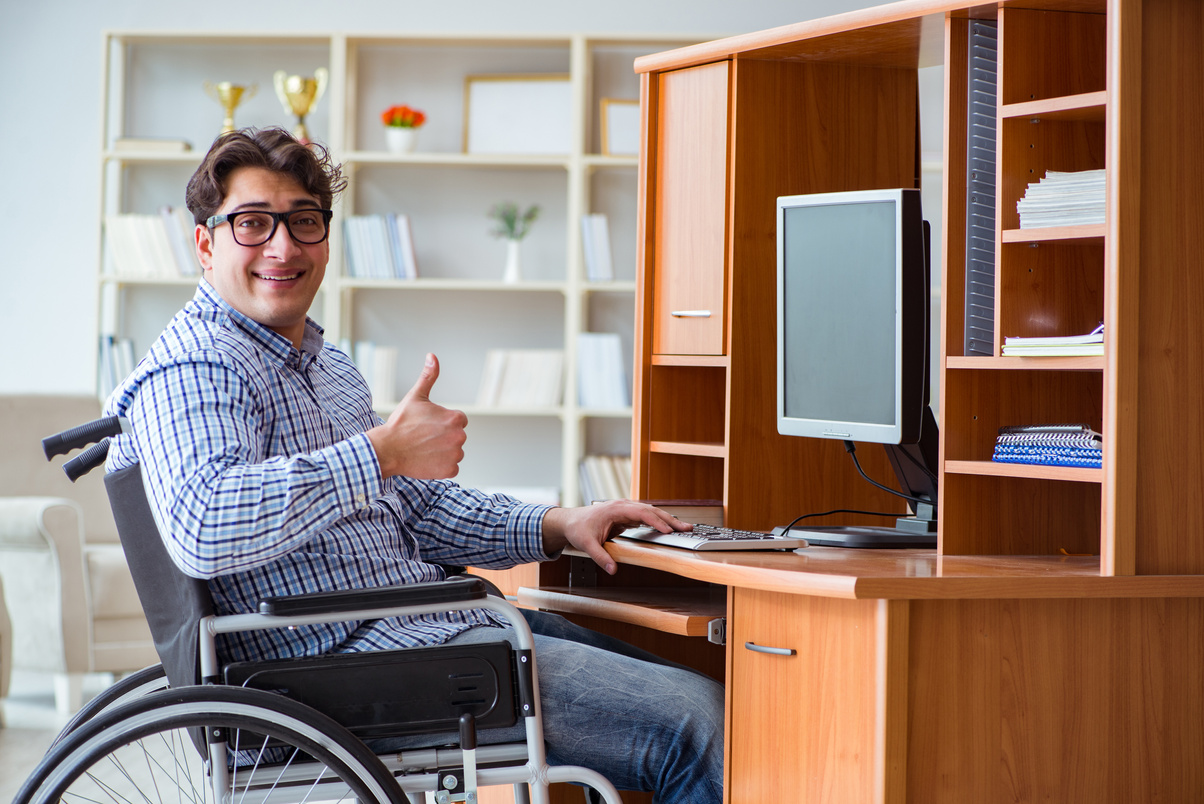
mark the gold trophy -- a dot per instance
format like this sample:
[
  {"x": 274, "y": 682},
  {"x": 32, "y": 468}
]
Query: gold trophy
[
  {"x": 229, "y": 96},
  {"x": 300, "y": 95}
]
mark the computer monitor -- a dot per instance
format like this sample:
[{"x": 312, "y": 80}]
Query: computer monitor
[{"x": 853, "y": 278}]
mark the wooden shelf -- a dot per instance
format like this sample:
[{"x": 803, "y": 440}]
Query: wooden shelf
[
  {"x": 718, "y": 361},
  {"x": 1087, "y": 107},
  {"x": 699, "y": 449},
  {"x": 452, "y": 285},
  {"x": 1077, "y": 474},
  {"x": 1063, "y": 234},
  {"x": 1093, "y": 363},
  {"x": 686, "y": 611},
  {"x": 444, "y": 159}
]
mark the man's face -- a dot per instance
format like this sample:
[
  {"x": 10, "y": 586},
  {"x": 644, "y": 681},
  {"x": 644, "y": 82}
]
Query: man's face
[{"x": 273, "y": 283}]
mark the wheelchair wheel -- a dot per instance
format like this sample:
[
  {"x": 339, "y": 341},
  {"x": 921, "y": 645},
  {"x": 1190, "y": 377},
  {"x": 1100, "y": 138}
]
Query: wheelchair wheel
[
  {"x": 146, "y": 751},
  {"x": 135, "y": 685}
]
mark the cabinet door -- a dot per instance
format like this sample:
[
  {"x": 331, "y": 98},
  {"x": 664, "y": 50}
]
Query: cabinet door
[
  {"x": 691, "y": 211},
  {"x": 810, "y": 695}
]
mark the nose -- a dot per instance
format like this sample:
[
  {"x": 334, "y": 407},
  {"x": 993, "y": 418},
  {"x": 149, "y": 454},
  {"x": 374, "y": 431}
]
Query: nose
[{"x": 281, "y": 243}]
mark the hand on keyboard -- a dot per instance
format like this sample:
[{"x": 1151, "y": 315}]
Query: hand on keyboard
[{"x": 713, "y": 537}]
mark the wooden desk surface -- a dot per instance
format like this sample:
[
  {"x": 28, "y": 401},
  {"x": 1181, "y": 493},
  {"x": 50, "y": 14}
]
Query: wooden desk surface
[{"x": 903, "y": 574}]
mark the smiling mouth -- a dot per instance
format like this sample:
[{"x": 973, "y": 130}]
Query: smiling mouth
[{"x": 281, "y": 278}]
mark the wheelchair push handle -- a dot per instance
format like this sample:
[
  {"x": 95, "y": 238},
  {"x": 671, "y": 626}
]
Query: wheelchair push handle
[
  {"x": 87, "y": 460},
  {"x": 83, "y": 435}
]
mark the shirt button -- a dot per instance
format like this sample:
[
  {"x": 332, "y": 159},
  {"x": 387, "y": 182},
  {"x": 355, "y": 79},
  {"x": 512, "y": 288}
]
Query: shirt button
[{"x": 362, "y": 500}]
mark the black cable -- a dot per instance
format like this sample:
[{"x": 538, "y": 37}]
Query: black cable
[
  {"x": 919, "y": 465},
  {"x": 801, "y": 517},
  {"x": 852, "y": 450}
]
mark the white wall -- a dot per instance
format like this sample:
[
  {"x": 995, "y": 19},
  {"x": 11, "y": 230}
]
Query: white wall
[{"x": 50, "y": 126}]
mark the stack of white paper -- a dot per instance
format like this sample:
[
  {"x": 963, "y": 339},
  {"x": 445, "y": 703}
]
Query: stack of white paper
[{"x": 1063, "y": 199}]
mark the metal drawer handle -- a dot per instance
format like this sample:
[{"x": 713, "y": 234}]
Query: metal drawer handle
[
  {"x": 755, "y": 648},
  {"x": 691, "y": 313}
]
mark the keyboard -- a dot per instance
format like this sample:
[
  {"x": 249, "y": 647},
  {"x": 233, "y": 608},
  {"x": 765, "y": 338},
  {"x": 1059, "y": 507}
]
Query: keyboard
[{"x": 712, "y": 537}]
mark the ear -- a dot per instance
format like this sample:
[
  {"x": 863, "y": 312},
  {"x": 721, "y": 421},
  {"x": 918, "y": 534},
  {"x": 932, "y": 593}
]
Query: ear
[{"x": 204, "y": 245}]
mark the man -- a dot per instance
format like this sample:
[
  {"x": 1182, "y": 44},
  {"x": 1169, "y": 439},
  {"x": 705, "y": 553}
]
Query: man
[{"x": 269, "y": 474}]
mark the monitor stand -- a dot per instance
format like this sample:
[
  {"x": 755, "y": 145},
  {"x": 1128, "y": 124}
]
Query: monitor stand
[
  {"x": 909, "y": 532},
  {"x": 865, "y": 536},
  {"x": 915, "y": 468}
]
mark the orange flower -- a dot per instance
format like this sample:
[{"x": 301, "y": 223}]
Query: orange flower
[{"x": 403, "y": 117}]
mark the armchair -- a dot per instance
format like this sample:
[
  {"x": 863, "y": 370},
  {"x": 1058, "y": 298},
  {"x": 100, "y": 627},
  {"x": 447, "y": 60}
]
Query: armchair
[{"x": 68, "y": 590}]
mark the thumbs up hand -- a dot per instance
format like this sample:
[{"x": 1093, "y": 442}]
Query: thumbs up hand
[{"x": 421, "y": 439}]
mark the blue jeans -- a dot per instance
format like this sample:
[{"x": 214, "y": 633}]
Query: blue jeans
[{"x": 641, "y": 722}]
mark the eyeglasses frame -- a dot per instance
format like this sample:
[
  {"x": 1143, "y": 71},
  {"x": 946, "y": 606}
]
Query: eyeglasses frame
[{"x": 277, "y": 218}]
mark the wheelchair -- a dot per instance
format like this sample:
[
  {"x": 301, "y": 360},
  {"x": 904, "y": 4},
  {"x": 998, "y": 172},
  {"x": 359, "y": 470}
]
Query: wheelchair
[{"x": 294, "y": 730}]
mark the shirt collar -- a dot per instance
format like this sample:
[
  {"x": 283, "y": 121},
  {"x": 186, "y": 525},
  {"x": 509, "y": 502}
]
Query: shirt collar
[{"x": 279, "y": 348}]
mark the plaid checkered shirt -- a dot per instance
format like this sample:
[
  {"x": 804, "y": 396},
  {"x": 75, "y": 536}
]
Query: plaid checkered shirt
[{"x": 263, "y": 482}]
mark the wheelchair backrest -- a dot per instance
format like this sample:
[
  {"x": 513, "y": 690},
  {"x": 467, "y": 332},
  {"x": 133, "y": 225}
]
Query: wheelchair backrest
[{"x": 174, "y": 603}]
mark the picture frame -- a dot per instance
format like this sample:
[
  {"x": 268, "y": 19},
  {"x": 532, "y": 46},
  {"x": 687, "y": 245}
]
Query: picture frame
[
  {"x": 620, "y": 122},
  {"x": 518, "y": 114}
]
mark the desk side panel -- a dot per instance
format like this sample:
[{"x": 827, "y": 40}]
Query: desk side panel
[{"x": 1056, "y": 700}]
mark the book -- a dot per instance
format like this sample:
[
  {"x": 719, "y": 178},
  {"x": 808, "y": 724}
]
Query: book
[
  {"x": 1049, "y": 445},
  {"x": 605, "y": 477},
  {"x": 405, "y": 266},
  {"x": 179, "y": 227},
  {"x": 601, "y": 376},
  {"x": 522, "y": 378},
  {"x": 384, "y": 376},
  {"x": 595, "y": 241}
]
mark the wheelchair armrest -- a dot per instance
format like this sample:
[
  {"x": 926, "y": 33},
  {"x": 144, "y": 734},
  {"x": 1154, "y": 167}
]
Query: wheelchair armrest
[{"x": 453, "y": 590}]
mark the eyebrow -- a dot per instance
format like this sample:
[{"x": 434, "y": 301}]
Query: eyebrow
[{"x": 299, "y": 203}]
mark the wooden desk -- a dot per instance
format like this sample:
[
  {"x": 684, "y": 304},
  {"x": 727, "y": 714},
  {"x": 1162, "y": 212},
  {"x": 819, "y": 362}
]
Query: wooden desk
[{"x": 919, "y": 678}]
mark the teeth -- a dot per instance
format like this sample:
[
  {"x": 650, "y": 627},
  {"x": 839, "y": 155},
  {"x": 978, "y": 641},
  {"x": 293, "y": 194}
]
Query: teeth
[{"x": 278, "y": 278}]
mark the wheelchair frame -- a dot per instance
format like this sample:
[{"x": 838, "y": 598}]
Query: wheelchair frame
[{"x": 411, "y": 773}]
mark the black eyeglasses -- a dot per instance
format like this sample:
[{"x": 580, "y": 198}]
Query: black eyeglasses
[{"x": 254, "y": 228}]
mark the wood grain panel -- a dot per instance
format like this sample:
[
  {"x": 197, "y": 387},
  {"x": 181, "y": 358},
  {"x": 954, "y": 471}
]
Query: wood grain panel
[
  {"x": 979, "y": 402},
  {"x": 1057, "y": 700},
  {"x": 811, "y": 726},
  {"x": 1123, "y": 291},
  {"x": 1028, "y": 149},
  {"x": 1050, "y": 288},
  {"x": 1048, "y": 54},
  {"x": 859, "y": 129},
  {"x": 691, "y": 210},
  {"x": 953, "y": 192},
  {"x": 1019, "y": 516},
  {"x": 687, "y": 403},
  {"x": 1170, "y": 385},
  {"x": 645, "y": 245},
  {"x": 683, "y": 477}
]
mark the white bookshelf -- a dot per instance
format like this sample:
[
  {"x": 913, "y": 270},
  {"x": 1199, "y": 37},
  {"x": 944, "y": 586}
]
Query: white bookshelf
[{"x": 458, "y": 307}]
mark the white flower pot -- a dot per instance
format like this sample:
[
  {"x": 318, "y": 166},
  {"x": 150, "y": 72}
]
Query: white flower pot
[
  {"x": 513, "y": 272},
  {"x": 400, "y": 140}
]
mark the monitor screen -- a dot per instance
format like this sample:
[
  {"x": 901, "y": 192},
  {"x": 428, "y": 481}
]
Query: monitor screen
[{"x": 852, "y": 316}]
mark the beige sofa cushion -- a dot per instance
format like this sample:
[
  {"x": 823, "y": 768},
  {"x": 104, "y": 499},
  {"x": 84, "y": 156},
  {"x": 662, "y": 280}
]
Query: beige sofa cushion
[{"x": 113, "y": 593}]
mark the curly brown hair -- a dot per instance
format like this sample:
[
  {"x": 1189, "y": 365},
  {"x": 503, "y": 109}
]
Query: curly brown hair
[{"x": 274, "y": 149}]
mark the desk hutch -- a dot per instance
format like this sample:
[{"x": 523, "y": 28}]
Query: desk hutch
[{"x": 1050, "y": 648}]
